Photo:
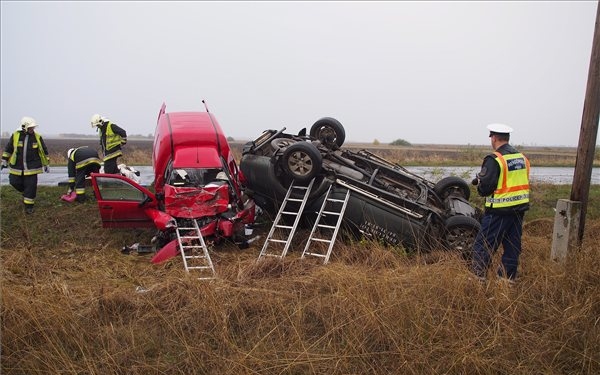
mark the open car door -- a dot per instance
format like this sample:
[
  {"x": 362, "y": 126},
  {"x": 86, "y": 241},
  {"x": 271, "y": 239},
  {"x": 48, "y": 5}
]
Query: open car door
[{"x": 122, "y": 202}]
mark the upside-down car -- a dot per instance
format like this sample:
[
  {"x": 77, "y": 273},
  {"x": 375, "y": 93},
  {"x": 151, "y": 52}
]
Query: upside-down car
[{"x": 386, "y": 203}]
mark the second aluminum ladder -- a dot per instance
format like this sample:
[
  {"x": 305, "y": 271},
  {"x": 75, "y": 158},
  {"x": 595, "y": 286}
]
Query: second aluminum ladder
[{"x": 333, "y": 208}]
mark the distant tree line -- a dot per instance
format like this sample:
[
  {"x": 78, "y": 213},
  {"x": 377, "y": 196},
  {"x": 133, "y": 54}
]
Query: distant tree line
[{"x": 400, "y": 142}]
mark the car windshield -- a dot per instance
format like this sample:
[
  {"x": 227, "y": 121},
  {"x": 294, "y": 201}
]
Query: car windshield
[{"x": 193, "y": 176}]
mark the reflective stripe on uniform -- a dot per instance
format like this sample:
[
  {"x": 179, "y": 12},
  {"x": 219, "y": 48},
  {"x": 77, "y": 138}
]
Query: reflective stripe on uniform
[{"x": 86, "y": 162}]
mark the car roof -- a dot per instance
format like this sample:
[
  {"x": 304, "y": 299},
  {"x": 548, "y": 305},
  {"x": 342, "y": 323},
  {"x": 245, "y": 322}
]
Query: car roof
[
  {"x": 192, "y": 127},
  {"x": 197, "y": 139},
  {"x": 197, "y": 157}
]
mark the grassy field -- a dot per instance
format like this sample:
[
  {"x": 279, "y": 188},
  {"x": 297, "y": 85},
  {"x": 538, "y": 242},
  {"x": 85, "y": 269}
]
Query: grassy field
[{"x": 73, "y": 304}]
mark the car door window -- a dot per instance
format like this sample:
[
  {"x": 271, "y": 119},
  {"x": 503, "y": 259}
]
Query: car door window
[{"x": 118, "y": 190}]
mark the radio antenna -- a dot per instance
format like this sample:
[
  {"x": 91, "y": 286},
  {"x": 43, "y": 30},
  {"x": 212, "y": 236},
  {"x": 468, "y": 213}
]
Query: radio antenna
[{"x": 214, "y": 126}]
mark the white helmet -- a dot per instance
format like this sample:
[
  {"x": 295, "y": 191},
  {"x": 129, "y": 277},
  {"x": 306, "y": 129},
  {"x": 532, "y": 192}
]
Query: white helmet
[
  {"x": 96, "y": 120},
  {"x": 27, "y": 122},
  {"x": 221, "y": 176},
  {"x": 70, "y": 152}
]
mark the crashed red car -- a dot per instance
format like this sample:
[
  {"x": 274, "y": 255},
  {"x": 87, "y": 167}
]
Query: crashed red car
[{"x": 196, "y": 179}]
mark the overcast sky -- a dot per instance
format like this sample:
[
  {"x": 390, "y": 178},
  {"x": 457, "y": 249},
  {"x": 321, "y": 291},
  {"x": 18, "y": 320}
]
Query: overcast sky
[{"x": 425, "y": 72}]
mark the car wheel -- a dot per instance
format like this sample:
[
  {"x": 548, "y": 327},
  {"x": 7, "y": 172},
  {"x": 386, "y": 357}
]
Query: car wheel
[
  {"x": 329, "y": 132},
  {"x": 452, "y": 185},
  {"x": 460, "y": 233},
  {"x": 302, "y": 161}
]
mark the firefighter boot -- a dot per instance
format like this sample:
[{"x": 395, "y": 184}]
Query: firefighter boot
[{"x": 29, "y": 208}]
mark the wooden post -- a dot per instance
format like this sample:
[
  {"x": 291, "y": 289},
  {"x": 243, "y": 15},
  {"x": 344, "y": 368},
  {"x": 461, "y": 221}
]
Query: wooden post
[{"x": 589, "y": 130}]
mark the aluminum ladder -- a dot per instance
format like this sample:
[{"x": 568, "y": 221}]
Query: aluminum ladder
[
  {"x": 194, "y": 251},
  {"x": 328, "y": 233},
  {"x": 286, "y": 232}
]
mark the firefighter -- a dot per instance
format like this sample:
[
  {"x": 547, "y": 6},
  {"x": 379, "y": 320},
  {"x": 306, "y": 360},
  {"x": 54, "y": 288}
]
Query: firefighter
[
  {"x": 26, "y": 156},
  {"x": 81, "y": 161},
  {"x": 112, "y": 138}
]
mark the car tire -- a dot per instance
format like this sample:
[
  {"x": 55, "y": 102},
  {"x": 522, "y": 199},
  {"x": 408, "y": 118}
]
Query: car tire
[
  {"x": 460, "y": 234},
  {"x": 302, "y": 161},
  {"x": 329, "y": 132},
  {"x": 452, "y": 185}
]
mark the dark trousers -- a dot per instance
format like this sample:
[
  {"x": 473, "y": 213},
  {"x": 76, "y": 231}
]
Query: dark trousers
[
  {"x": 110, "y": 166},
  {"x": 81, "y": 174},
  {"x": 496, "y": 230},
  {"x": 26, "y": 185}
]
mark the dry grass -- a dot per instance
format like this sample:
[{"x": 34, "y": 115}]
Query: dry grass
[{"x": 73, "y": 304}]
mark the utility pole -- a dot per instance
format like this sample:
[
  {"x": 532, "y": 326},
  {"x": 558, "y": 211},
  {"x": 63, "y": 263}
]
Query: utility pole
[
  {"x": 589, "y": 131},
  {"x": 569, "y": 220}
]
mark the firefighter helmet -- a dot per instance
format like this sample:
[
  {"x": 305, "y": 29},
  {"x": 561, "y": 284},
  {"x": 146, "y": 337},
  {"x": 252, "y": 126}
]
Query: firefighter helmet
[
  {"x": 27, "y": 122},
  {"x": 96, "y": 120},
  {"x": 70, "y": 152}
]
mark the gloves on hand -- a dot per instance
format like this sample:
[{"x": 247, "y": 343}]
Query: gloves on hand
[
  {"x": 46, "y": 169},
  {"x": 4, "y": 164}
]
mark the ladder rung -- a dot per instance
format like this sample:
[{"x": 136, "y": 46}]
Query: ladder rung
[
  {"x": 272, "y": 255},
  {"x": 317, "y": 255},
  {"x": 198, "y": 267},
  {"x": 295, "y": 200},
  {"x": 300, "y": 187},
  {"x": 283, "y": 226},
  {"x": 276, "y": 240},
  {"x": 320, "y": 240},
  {"x": 191, "y": 246},
  {"x": 331, "y": 213},
  {"x": 335, "y": 200},
  {"x": 180, "y": 228},
  {"x": 326, "y": 226},
  {"x": 289, "y": 213}
]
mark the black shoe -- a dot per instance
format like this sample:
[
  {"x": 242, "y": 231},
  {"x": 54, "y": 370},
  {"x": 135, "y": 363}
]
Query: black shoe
[
  {"x": 80, "y": 198},
  {"x": 29, "y": 208}
]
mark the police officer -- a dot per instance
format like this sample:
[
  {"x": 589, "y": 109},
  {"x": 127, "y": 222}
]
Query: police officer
[
  {"x": 112, "y": 138},
  {"x": 26, "y": 156},
  {"x": 504, "y": 182},
  {"x": 81, "y": 161}
]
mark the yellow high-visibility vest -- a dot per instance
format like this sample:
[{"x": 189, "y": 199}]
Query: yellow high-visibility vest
[
  {"x": 112, "y": 139},
  {"x": 13, "y": 158},
  {"x": 513, "y": 182}
]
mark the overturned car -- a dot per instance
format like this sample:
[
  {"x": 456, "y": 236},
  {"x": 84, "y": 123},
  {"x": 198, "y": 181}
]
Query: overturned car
[{"x": 386, "y": 203}]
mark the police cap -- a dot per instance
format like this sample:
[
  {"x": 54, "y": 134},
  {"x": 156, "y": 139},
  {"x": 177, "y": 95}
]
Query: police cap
[{"x": 499, "y": 129}]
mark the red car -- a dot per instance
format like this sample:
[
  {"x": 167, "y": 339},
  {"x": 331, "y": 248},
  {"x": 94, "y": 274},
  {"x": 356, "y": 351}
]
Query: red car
[{"x": 197, "y": 184}]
